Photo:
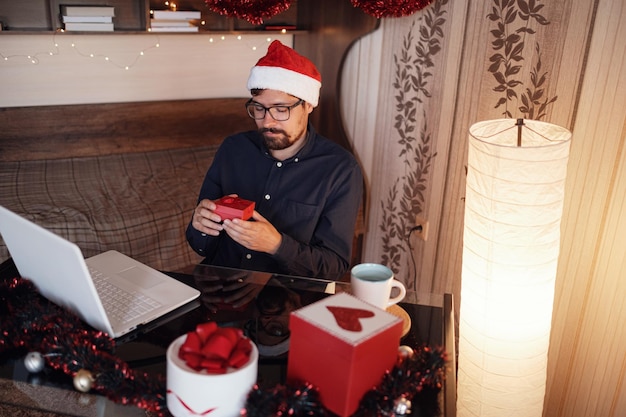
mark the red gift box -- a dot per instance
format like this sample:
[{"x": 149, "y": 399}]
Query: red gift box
[
  {"x": 234, "y": 208},
  {"x": 343, "y": 346}
]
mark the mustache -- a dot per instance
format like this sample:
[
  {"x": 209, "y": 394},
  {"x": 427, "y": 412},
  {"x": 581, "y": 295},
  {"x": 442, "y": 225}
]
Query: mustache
[{"x": 271, "y": 130}]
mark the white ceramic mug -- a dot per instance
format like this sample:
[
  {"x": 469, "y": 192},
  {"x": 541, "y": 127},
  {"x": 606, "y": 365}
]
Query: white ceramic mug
[{"x": 373, "y": 284}]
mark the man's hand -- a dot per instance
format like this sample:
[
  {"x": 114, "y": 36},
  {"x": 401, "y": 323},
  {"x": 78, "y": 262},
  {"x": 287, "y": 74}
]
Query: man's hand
[
  {"x": 205, "y": 220},
  {"x": 258, "y": 235}
]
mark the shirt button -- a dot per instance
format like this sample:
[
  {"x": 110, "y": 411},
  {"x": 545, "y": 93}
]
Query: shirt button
[
  {"x": 279, "y": 164},
  {"x": 248, "y": 256},
  {"x": 296, "y": 160},
  {"x": 203, "y": 234},
  {"x": 267, "y": 196}
]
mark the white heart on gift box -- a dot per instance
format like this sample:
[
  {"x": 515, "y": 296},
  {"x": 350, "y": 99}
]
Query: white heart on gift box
[{"x": 193, "y": 393}]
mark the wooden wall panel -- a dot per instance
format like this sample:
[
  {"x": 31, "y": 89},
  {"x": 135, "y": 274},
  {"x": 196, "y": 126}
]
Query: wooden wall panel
[
  {"x": 588, "y": 344},
  {"x": 331, "y": 28},
  {"x": 408, "y": 120},
  {"x": 358, "y": 97}
]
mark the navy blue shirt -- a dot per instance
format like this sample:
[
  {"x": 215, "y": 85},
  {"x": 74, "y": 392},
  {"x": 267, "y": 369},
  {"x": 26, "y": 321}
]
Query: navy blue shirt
[{"x": 312, "y": 199}]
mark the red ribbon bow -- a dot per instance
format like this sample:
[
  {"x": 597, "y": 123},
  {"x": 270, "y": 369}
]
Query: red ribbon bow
[{"x": 215, "y": 349}]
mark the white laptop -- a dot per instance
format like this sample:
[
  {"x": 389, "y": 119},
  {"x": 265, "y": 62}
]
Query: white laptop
[{"x": 58, "y": 269}]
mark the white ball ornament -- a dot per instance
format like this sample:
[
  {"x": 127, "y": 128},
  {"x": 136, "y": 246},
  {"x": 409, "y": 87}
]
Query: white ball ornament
[
  {"x": 34, "y": 362},
  {"x": 402, "y": 406}
]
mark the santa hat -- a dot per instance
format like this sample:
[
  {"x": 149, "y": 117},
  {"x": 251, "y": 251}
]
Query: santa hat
[{"x": 283, "y": 69}]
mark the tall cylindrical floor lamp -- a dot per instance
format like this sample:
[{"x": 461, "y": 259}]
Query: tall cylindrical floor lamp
[{"x": 513, "y": 207}]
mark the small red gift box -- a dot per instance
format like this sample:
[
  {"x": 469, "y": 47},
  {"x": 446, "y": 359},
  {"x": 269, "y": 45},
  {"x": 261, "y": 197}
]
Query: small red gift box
[
  {"x": 234, "y": 208},
  {"x": 343, "y": 346}
]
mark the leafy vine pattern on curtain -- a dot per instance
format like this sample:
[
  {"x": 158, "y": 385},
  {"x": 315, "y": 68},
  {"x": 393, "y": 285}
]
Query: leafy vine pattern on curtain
[
  {"x": 406, "y": 196},
  {"x": 506, "y": 63}
]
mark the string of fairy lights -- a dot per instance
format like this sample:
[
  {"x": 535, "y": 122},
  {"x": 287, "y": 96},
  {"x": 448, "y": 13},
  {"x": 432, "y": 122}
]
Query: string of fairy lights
[
  {"x": 87, "y": 52},
  {"x": 58, "y": 42}
]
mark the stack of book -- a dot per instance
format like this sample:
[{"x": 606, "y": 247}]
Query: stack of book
[
  {"x": 88, "y": 18},
  {"x": 174, "y": 21}
]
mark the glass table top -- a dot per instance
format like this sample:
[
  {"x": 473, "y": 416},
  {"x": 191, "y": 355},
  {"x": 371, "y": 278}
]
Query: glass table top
[{"x": 258, "y": 303}]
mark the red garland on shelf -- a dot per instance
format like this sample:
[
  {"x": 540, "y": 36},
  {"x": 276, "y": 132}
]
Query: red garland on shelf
[
  {"x": 390, "y": 8},
  {"x": 255, "y": 11},
  {"x": 252, "y": 11}
]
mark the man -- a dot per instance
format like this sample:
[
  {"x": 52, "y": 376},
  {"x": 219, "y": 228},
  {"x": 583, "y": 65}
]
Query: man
[{"x": 306, "y": 188}]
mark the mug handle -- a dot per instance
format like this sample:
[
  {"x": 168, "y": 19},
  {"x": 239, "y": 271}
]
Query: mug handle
[{"x": 400, "y": 286}]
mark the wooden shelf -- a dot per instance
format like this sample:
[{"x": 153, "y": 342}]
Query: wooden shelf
[
  {"x": 146, "y": 32},
  {"x": 131, "y": 16}
]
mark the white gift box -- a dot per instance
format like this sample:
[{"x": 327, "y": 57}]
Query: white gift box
[{"x": 196, "y": 393}]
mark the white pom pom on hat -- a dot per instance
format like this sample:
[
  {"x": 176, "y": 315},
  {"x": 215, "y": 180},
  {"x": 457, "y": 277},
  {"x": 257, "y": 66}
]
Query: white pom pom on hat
[{"x": 283, "y": 69}]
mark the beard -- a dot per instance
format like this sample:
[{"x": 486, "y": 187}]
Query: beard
[
  {"x": 279, "y": 139},
  {"x": 274, "y": 142}
]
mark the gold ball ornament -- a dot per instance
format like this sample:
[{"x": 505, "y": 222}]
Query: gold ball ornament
[
  {"x": 83, "y": 380},
  {"x": 405, "y": 351}
]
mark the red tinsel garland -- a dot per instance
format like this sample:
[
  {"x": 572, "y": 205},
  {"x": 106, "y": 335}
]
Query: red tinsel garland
[
  {"x": 29, "y": 323},
  {"x": 252, "y": 11},
  {"x": 255, "y": 11},
  {"x": 390, "y": 8}
]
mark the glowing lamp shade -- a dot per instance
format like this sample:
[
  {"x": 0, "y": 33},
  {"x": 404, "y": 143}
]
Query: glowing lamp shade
[{"x": 511, "y": 238}]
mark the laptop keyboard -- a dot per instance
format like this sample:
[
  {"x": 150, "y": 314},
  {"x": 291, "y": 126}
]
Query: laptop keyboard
[{"x": 120, "y": 304}]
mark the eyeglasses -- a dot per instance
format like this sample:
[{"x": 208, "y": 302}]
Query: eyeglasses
[{"x": 278, "y": 113}]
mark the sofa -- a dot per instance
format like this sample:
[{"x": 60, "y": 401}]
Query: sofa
[{"x": 121, "y": 176}]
